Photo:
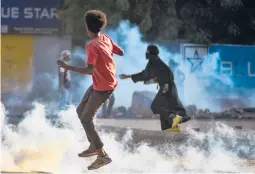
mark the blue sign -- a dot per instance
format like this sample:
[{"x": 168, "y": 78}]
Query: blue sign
[
  {"x": 196, "y": 61},
  {"x": 30, "y": 16},
  {"x": 237, "y": 62},
  {"x": 194, "y": 54}
]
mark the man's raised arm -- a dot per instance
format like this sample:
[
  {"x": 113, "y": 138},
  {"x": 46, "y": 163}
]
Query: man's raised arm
[
  {"x": 141, "y": 76},
  {"x": 87, "y": 70}
]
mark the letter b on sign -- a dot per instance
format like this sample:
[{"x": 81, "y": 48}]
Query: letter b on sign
[{"x": 226, "y": 68}]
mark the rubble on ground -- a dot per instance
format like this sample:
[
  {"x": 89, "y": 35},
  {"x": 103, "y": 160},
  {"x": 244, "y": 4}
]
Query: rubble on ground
[
  {"x": 140, "y": 108},
  {"x": 141, "y": 103},
  {"x": 234, "y": 113}
]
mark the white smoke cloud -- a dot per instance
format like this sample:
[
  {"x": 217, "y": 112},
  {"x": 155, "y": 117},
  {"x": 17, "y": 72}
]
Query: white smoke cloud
[
  {"x": 195, "y": 92},
  {"x": 36, "y": 145},
  {"x": 202, "y": 88}
]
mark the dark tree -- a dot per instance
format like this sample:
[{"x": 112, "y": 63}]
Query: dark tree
[{"x": 197, "y": 21}]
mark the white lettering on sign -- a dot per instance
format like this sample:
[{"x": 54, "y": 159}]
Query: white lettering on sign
[
  {"x": 45, "y": 14},
  {"x": 53, "y": 13},
  {"x": 10, "y": 12},
  {"x": 228, "y": 71},
  {"x": 224, "y": 68},
  {"x": 249, "y": 70},
  {"x": 39, "y": 13},
  {"x": 28, "y": 13}
]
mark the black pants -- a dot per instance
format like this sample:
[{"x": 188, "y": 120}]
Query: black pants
[
  {"x": 86, "y": 111},
  {"x": 107, "y": 106},
  {"x": 166, "y": 104}
]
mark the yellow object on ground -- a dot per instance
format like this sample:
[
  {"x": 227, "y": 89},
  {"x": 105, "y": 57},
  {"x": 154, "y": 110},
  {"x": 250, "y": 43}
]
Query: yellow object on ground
[
  {"x": 176, "y": 120},
  {"x": 174, "y": 129}
]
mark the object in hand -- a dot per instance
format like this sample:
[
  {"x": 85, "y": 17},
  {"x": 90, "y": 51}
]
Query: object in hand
[
  {"x": 62, "y": 64},
  {"x": 123, "y": 76}
]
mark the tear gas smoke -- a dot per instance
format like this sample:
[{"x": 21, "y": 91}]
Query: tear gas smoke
[{"x": 37, "y": 145}]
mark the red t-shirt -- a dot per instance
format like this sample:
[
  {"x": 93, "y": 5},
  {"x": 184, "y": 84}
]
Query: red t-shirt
[{"x": 100, "y": 54}]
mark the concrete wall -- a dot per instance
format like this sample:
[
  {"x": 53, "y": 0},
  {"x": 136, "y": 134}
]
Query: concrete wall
[
  {"x": 25, "y": 57},
  {"x": 29, "y": 70},
  {"x": 47, "y": 51}
]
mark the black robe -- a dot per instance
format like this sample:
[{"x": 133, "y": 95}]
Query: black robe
[{"x": 167, "y": 103}]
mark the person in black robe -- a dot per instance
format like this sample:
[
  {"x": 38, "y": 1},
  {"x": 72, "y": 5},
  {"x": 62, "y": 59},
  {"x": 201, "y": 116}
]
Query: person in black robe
[{"x": 166, "y": 103}]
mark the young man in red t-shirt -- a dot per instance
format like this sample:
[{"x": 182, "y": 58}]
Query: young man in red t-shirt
[{"x": 102, "y": 68}]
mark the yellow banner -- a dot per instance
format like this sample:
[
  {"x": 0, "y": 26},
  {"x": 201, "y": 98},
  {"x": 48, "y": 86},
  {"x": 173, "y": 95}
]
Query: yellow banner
[{"x": 16, "y": 62}]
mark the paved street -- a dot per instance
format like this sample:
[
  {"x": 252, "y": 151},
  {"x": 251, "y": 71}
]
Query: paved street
[{"x": 203, "y": 125}]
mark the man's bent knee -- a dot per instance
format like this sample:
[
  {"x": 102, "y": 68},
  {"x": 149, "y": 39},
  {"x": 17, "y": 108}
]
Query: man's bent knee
[
  {"x": 78, "y": 111},
  {"x": 88, "y": 125}
]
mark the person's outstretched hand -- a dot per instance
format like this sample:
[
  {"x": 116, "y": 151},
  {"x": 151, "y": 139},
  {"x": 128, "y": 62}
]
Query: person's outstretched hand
[{"x": 124, "y": 76}]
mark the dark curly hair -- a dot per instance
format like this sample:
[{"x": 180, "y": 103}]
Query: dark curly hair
[
  {"x": 153, "y": 49},
  {"x": 95, "y": 20}
]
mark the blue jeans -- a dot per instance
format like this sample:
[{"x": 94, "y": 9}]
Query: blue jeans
[{"x": 65, "y": 98}]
